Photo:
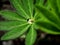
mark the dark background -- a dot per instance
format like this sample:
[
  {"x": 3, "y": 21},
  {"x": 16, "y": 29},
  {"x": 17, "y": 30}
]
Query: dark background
[{"x": 42, "y": 38}]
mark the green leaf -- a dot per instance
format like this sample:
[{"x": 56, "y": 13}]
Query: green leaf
[
  {"x": 28, "y": 6},
  {"x": 20, "y": 9},
  {"x": 47, "y": 5},
  {"x": 8, "y": 25},
  {"x": 31, "y": 36},
  {"x": 58, "y": 5},
  {"x": 38, "y": 16},
  {"x": 49, "y": 15},
  {"x": 11, "y": 15},
  {"x": 53, "y": 5},
  {"x": 48, "y": 27},
  {"x": 43, "y": 3},
  {"x": 39, "y": 2},
  {"x": 16, "y": 32}
]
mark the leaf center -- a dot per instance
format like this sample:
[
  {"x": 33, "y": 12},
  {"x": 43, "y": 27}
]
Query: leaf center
[{"x": 30, "y": 21}]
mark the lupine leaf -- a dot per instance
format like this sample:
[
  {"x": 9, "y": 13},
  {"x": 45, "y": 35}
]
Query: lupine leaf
[
  {"x": 16, "y": 32},
  {"x": 49, "y": 15},
  {"x": 20, "y": 9},
  {"x": 48, "y": 27},
  {"x": 31, "y": 36},
  {"x": 44, "y": 19},
  {"x": 9, "y": 25},
  {"x": 11, "y": 15}
]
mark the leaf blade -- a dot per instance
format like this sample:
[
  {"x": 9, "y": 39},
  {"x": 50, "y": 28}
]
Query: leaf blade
[
  {"x": 30, "y": 4},
  {"x": 48, "y": 27},
  {"x": 31, "y": 37},
  {"x": 14, "y": 33},
  {"x": 19, "y": 8},
  {"x": 53, "y": 4},
  {"x": 49, "y": 15},
  {"x": 8, "y": 25},
  {"x": 40, "y": 2},
  {"x": 9, "y": 15},
  {"x": 58, "y": 5}
]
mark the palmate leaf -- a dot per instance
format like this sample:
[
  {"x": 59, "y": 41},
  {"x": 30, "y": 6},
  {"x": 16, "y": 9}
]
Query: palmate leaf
[
  {"x": 44, "y": 19},
  {"x": 16, "y": 32},
  {"x": 23, "y": 7},
  {"x": 11, "y": 15},
  {"x": 48, "y": 27},
  {"x": 49, "y": 15},
  {"x": 8, "y": 25},
  {"x": 31, "y": 36}
]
